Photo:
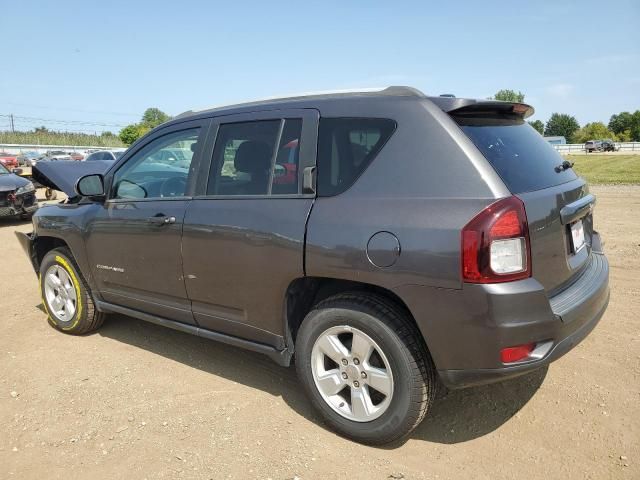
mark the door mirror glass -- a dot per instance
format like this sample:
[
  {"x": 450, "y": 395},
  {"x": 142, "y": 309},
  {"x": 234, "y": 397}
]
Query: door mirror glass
[{"x": 90, "y": 186}]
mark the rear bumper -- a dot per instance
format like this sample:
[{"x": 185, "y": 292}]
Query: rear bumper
[{"x": 466, "y": 329}]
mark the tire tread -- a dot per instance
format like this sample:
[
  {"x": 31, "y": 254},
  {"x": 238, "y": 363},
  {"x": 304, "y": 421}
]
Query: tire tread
[{"x": 424, "y": 380}]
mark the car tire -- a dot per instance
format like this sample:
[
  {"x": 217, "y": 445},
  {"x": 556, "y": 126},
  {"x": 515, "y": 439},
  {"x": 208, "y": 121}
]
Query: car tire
[
  {"x": 65, "y": 294},
  {"x": 397, "y": 350}
]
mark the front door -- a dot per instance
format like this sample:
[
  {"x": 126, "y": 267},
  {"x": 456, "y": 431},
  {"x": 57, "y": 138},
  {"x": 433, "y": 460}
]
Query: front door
[
  {"x": 243, "y": 240},
  {"x": 134, "y": 242}
]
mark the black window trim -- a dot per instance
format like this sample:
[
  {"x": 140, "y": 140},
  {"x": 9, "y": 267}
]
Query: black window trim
[{"x": 307, "y": 157}]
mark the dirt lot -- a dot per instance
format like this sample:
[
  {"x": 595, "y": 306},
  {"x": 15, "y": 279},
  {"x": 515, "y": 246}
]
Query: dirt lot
[{"x": 138, "y": 401}]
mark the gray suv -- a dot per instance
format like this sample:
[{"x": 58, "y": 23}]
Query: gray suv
[{"x": 386, "y": 241}]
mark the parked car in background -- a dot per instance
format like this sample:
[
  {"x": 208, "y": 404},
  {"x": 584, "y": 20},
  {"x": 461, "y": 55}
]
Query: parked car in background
[
  {"x": 609, "y": 146},
  {"x": 593, "y": 146},
  {"x": 28, "y": 159},
  {"x": 17, "y": 194},
  {"x": 9, "y": 160},
  {"x": 76, "y": 156},
  {"x": 56, "y": 155},
  {"x": 110, "y": 155},
  {"x": 410, "y": 240}
]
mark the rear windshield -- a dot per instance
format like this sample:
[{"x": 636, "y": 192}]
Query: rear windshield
[{"x": 517, "y": 152}]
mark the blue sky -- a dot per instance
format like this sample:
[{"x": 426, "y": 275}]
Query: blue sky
[{"x": 105, "y": 62}]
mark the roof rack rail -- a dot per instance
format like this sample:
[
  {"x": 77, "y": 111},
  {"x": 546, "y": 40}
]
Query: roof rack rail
[{"x": 394, "y": 90}]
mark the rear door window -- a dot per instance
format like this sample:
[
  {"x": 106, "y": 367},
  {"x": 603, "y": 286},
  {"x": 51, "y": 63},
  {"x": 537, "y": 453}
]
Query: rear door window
[
  {"x": 346, "y": 146},
  {"x": 256, "y": 158},
  {"x": 517, "y": 152}
]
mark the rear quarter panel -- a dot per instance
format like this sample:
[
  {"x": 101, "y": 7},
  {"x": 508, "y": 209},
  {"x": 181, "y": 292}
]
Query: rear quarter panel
[{"x": 427, "y": 182}]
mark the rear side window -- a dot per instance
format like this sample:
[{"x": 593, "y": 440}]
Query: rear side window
[
  {"x": 346, "y": 146},
  {"x": 517, "y": 152}
]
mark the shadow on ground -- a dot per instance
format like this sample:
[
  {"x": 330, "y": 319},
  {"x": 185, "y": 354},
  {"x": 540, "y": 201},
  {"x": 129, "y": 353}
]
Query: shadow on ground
[
  {"x": 14, "y": 221},
  {"x": 456, "y": 416}
]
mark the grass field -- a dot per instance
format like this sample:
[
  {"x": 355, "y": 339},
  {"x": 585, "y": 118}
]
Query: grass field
[{"x": 607, "y": 169}]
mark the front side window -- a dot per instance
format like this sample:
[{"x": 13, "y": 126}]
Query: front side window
[
  {"x": 346, "y": 146},
  {"x": 256, "y": 158},
  {"x": 159, "y": 170}
]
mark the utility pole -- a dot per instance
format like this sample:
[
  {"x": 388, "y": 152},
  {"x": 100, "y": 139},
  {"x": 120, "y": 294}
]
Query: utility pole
[{"x": 13, "y": 127}]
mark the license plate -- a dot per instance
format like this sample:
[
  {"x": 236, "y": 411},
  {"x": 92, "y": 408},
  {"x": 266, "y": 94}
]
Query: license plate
[{"x": 577, "y": 236}]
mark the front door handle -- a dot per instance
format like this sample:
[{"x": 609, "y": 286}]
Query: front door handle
[{"x": 162, "y": 220}]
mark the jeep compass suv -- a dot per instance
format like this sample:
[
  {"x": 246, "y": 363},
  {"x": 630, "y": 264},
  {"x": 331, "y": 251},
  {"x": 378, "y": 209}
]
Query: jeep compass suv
[{"x": 383, "y": 240}]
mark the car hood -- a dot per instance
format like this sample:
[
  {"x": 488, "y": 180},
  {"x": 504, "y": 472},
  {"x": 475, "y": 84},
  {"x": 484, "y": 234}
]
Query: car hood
[
  {"x": 10, "y": 182},
  {"x": 63, "y": 175}
]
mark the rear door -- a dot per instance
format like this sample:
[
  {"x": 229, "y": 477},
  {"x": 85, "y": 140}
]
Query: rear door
[
  {"x": 557, "y": 201},
  {"x": 243, "y": 238}
]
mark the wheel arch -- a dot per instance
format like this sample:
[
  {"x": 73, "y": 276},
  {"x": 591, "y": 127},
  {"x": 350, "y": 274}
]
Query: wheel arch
[
  {"x": 43, "y": 245},
  {"x": 305, "y": 292}
]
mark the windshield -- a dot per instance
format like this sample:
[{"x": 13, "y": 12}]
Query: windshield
[
  {"x": 3, "y": 170},
  {"x": 517, "y": 152},
  {"x": 118, "y": 154}
]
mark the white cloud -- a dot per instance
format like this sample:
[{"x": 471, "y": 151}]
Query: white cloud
[{"x": 560, "y": 89}]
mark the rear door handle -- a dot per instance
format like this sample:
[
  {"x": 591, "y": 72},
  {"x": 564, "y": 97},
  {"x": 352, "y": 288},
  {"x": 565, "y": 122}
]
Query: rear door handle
[{"x": 162, "y": 220}]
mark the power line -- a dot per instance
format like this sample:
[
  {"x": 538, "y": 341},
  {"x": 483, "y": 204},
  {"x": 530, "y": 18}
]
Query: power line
[
  {"x": 32, "y": 120},
  {"x": 71, "y": 109}
]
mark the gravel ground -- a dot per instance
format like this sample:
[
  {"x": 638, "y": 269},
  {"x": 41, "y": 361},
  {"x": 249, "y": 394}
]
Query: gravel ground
[{"x": 138, "y": 401}]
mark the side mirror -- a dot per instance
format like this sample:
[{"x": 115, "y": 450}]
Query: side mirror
[
  {"x": 90, "y": 186},
  {"x": 17, "y": 171}
]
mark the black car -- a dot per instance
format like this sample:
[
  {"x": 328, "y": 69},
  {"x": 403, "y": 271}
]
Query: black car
[
  {"x": 386, "y": 240},
  {"x": 608, "y": 146},
  {"x": 17, "y": 194}
]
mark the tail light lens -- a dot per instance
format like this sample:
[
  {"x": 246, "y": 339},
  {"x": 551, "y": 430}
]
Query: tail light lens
[
  {"x": 515, "y": 354},
  {"x": 495, "y": 244}
]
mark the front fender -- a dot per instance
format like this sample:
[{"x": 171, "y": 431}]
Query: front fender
[{"x": 62, "y": 224}]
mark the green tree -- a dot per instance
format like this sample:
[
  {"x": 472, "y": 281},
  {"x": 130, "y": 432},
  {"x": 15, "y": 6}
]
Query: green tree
[
  {"x": 626, "y": 126},
  {"x": 624, "y": 136},
  {"x": 635, "y": 126},
  {"x": 509, "y": 96},
  {"x": 620, "y": 122},
  {"x": 593, "y": 131},
  {"x": 130, "y": 134},
  {"x": 538, "y": 125},
  {"x": 561, "y": 125},
  {"x": 152, "y": 117}
]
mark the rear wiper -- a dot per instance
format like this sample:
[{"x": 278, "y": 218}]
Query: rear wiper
[{"x": 564, "y": 166}]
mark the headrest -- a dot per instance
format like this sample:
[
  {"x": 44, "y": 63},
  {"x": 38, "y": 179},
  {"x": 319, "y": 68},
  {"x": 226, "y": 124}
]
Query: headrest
[{"x": 252, "y": 156}]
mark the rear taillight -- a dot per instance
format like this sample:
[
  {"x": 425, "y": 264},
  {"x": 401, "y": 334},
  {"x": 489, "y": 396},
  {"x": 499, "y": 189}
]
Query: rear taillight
[{"x": 495, "y": 244}]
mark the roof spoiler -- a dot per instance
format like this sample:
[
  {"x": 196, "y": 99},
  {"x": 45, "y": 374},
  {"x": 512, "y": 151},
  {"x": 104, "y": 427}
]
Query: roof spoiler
[{"x": 470, "y": 107}]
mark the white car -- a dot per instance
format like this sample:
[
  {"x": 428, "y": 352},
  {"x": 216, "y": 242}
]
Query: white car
[
  {"x": 56, "y": 155},
  {"x": 104, "y": 155}
]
